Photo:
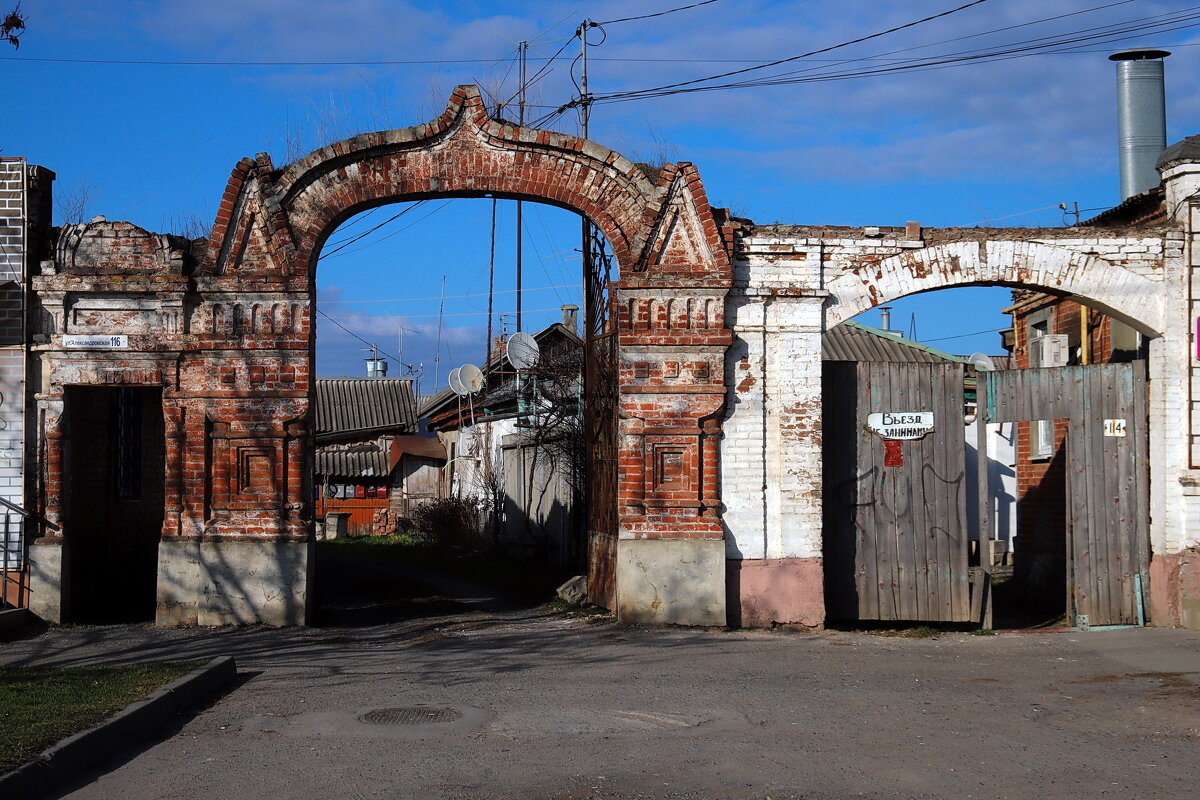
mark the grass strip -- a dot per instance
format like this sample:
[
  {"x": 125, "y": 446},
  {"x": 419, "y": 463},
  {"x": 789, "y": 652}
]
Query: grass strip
[{"x": 40, "y": 706}]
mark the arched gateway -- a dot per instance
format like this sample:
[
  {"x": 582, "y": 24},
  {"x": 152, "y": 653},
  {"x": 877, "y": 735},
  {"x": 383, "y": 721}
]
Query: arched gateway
[
  {"x": 224, "y": 336},
  {"x": 719, "y": 497}
]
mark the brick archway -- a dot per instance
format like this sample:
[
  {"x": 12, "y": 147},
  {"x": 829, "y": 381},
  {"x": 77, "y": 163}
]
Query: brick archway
[
  {"x": 229, "y": 337},
  {"x": 1107, "y": 285}
]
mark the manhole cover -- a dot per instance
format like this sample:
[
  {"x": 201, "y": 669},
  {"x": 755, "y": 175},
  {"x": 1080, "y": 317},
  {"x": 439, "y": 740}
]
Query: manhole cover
[{"x": 412, "y": 715}]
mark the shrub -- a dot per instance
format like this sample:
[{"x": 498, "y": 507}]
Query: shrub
[{"x": 446, "y": 521}]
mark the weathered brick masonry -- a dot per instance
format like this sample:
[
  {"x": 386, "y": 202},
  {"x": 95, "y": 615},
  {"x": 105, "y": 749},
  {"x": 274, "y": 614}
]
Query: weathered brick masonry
[
  {"x": 24, "y": 217},
  {"x": 791, "y": 283},
  {"x": 226, "y": 328},
  {"x": 720, "y": 374}
]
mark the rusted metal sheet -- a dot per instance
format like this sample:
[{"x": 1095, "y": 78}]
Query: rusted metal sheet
[
  {"x": 1107, "y": 539},
  {"x": 895, "y": 511}
]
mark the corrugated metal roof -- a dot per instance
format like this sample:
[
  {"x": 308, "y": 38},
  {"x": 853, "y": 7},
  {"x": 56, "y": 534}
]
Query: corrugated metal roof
[
  {"x": 853, "y": 341},
  {"x": 352, "y": 460},
  {"x": 361, "y": 404}
]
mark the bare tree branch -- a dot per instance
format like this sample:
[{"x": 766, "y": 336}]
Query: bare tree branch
[{"x": 12, "y": 26}]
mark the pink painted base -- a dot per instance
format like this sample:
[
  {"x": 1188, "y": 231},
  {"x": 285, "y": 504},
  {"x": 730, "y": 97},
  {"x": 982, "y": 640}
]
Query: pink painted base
[
  {"x": 785, "y": 591},
  {"x": 1175, "y": 590}
]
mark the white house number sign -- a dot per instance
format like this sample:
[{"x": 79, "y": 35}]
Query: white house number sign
[
  {"x": 1114, "y": 427},
  {"x": 895, "y": 425}
]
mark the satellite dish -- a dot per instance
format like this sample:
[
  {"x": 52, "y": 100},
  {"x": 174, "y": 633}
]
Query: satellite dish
[
  {"x": 982, "y": 362},
  {"x": 456, "y": 384},
  {"x": 471, "y": 377},
  {"x": 522, "y": 351}
]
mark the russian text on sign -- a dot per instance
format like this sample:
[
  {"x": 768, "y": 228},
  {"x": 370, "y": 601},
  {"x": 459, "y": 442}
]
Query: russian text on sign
[{"x": 900, "y": 424}]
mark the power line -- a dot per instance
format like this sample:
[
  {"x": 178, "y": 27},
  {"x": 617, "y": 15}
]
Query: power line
[
  {"x": 1017, "y": 214},
  {"x": 1070, "y": 42},
  {"x": 830, "y": 48},
  {"x": 964, "y": 335},
  {"x": 372, "y": 345},
  {"x": 657, "y": 13},
  {"x": 459, "y": 296},
  {"x": 347, "y": 242},
  {"x": 431, "y": 316},
  {"x": 390, "y": 235}
]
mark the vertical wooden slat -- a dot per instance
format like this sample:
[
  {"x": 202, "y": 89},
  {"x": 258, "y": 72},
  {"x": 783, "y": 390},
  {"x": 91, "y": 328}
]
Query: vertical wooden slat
[
  {"x": 1087, "y": 600},
  {"x": 1099, "y": 530},
  {"x": 1124, "y": 512},
  {"x": 957, "y": 541},
  {"x": 883, "y": 394},
  {"x": 1140, "y": 453},
  {"x": 924, "y": 513},
  {"x": 956, "y": 472},
  {"x": 1116, "y": 577},
  {"x": 907, "y": 495},
  {"x": 944, "y": 530},
  {"x": 870, "y": 496}
]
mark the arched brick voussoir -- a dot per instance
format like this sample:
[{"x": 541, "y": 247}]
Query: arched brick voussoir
[
  {"x": 464, "y": 153},
  {"x": 1103, "y": 285}
]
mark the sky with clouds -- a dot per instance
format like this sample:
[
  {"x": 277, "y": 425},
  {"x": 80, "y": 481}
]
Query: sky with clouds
[{"x": 995, "y": 141}]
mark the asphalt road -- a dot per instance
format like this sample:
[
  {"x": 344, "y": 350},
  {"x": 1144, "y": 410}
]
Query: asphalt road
[{"x": 536, "y": 706}]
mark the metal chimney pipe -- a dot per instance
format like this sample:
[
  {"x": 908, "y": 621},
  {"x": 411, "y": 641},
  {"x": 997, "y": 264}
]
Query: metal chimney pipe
[
  {"x": 885, "y": 317},
  {"x": 1141, "y": 117},
  {"x": 570, "y": 318}
]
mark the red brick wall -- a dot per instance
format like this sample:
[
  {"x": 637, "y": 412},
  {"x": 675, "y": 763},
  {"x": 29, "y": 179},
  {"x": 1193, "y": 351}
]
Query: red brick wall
[
  {"x": 1041, "y": 481},
  {"x": 226, "y": 326}
]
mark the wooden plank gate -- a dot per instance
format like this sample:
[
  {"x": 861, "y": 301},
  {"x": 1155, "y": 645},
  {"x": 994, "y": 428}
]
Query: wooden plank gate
[
  {"x": 1108, "y": 487},
  {"x": 895, "y": 527},
  {"x": 895, "y": 512}
]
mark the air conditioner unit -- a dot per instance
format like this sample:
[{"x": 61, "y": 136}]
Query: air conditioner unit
[{"x": 1049, "y": 350}]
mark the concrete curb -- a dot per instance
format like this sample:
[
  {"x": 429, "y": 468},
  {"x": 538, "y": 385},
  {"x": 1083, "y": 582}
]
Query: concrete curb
[{"x": 138, "y": 721}]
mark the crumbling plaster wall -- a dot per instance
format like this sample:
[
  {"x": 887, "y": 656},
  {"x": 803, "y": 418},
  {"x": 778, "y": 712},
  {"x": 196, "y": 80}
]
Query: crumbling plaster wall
[{"x": 791, "y": 283}]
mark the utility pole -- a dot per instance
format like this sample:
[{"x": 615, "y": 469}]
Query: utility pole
[
  {"x": 521, "y": 49},
  {"x": 437, "y": 356},
  {"x": 487, "y": 346},
  {"x": 1074, "y": 212},
  {"x": 585, "y": 99}
]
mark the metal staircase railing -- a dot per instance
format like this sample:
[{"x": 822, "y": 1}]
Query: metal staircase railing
[{"x": 14, "y": 551}]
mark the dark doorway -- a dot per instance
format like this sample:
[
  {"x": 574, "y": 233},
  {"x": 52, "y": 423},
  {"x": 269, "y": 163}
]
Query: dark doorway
[{"x": 114, "y": 459}]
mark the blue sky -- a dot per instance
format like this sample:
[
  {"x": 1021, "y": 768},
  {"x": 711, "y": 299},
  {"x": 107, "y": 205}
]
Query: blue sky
[{"x": 1004, "y": 141}]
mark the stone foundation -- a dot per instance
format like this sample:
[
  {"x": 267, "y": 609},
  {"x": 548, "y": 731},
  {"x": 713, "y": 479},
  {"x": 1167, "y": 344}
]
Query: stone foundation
[
  {"x": 671, "y": 581},
  {"x": 784, "y": 591},
  {"x": 1175, "y": 590},
  {"x": 234, "y": 582},
  {"x": 47, "y": 590}
]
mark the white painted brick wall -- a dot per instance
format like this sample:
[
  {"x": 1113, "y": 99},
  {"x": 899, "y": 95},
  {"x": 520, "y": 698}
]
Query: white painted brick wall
[
  {"x": 771, "y": 460},
  {"x": 12, "y": 353}
]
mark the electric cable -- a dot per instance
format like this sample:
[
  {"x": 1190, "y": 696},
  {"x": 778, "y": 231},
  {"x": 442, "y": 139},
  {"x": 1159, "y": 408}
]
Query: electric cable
[
  {"x": 657, "y": 13},
  {"x": 830, "y": 48},
  {"x": 364, "y": 341}
]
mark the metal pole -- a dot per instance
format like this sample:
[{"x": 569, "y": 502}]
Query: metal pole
[
  {"x": 520, "y": 205},
  {"x": 981, "y": 468},
  {"x": 491, "y": 286},
  {"x": 585, "y": 98},
  {"x": 586, "y": 226}
]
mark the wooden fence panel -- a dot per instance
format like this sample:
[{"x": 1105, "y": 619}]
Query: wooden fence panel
[
  {"x": 895, "y": 523},
  {"x": 1107, "y": 479}
]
